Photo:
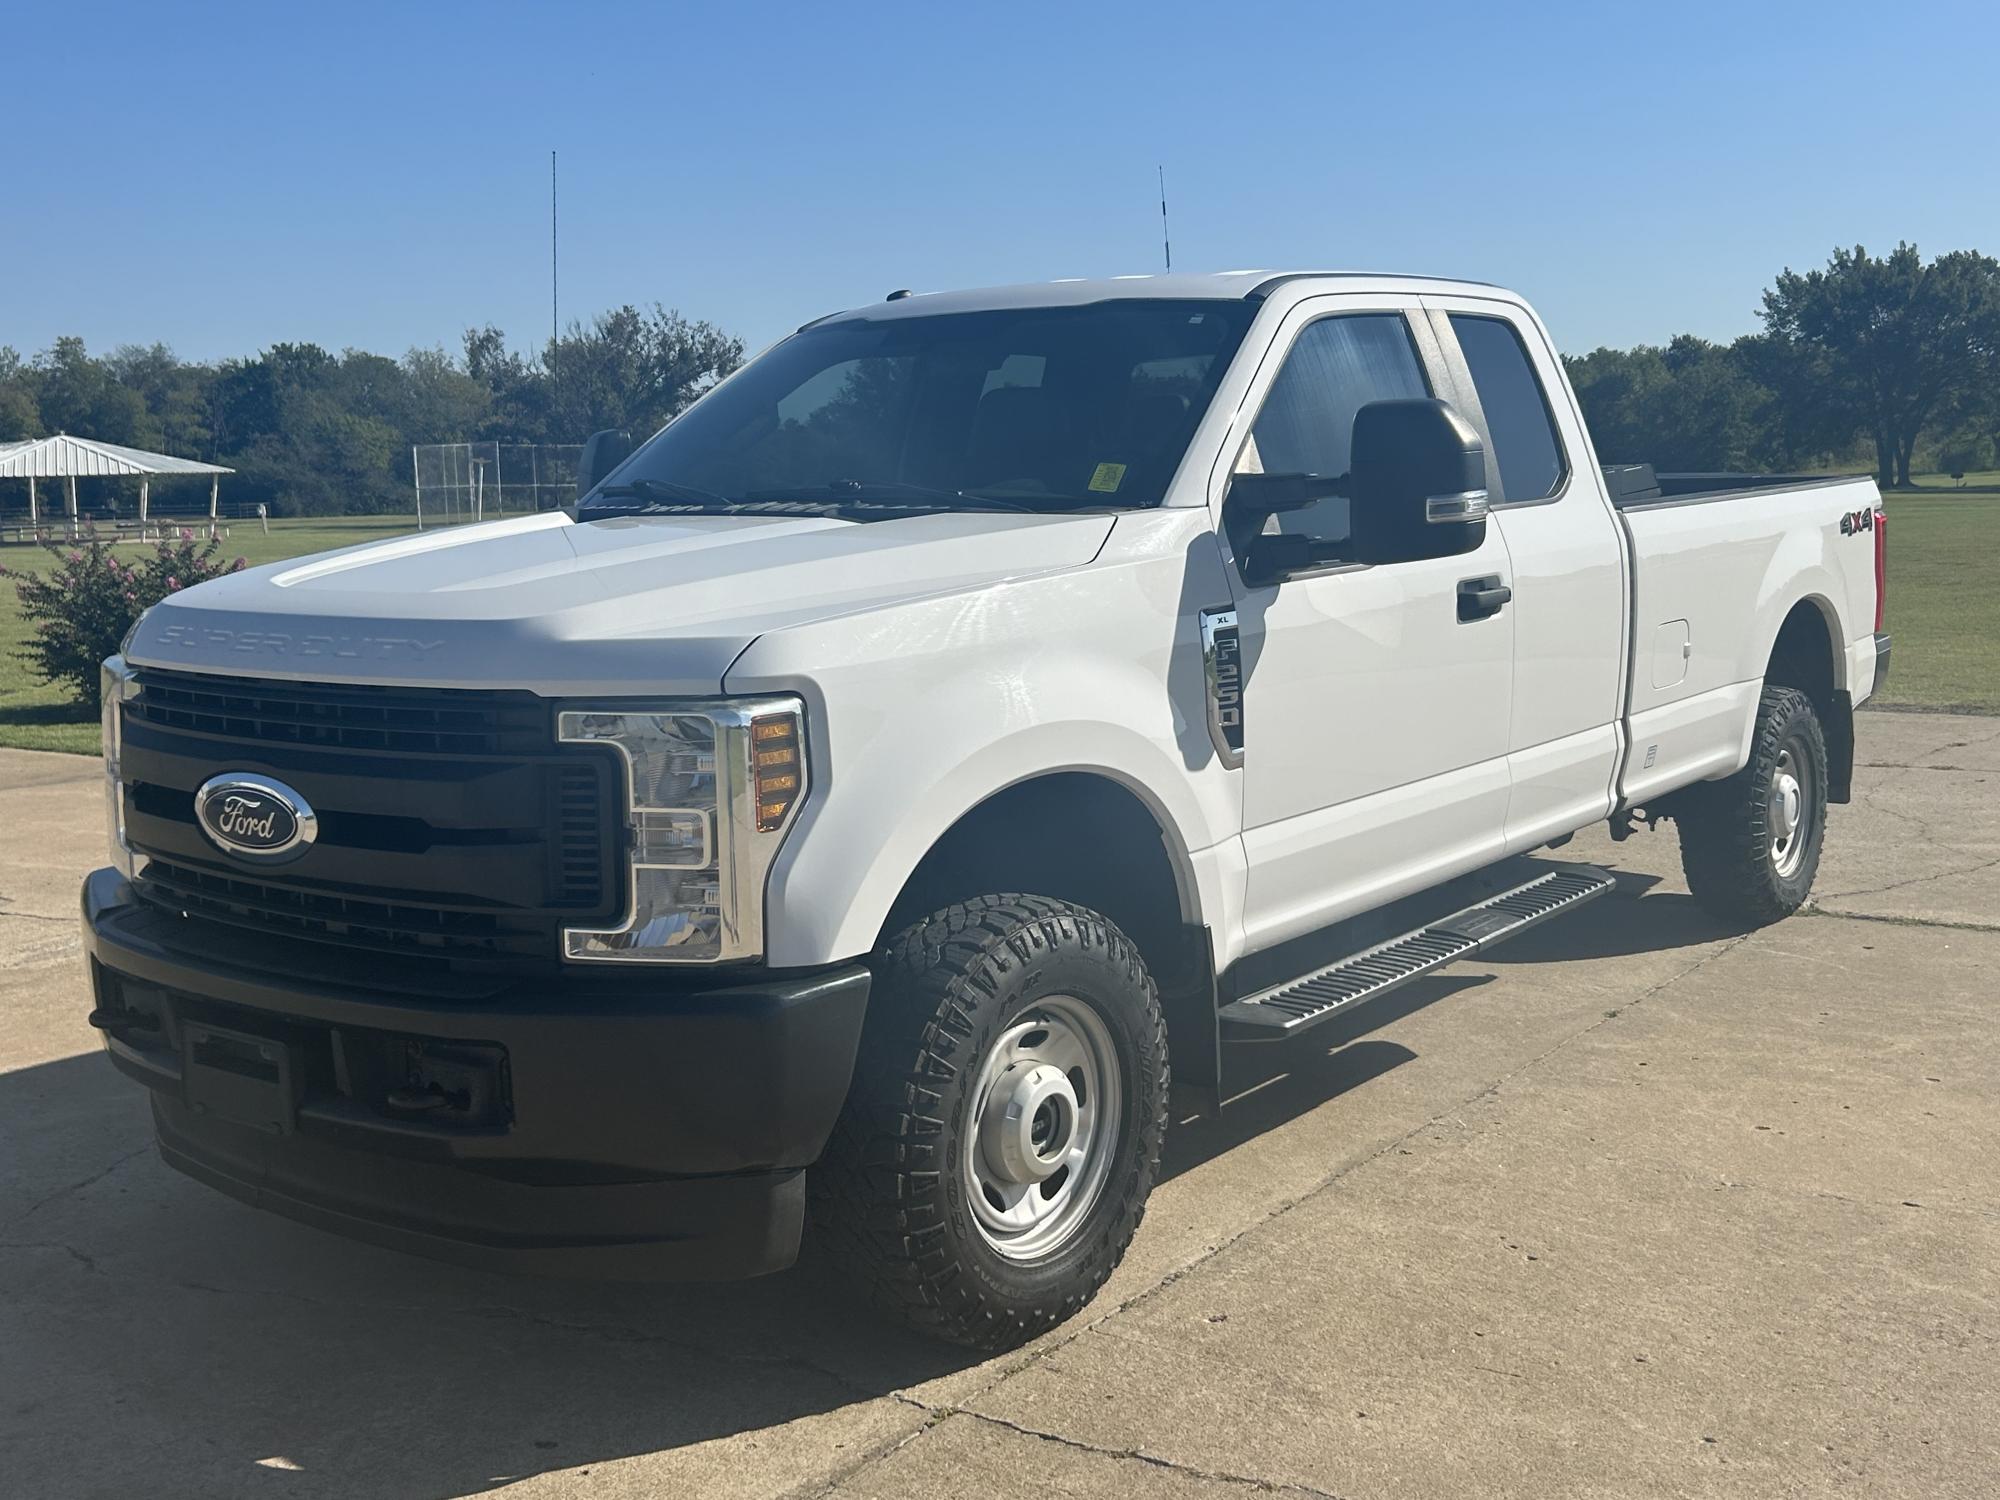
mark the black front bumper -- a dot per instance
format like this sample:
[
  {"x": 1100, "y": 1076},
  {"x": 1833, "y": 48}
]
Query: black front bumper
[{"x": 584, "y": 1124}]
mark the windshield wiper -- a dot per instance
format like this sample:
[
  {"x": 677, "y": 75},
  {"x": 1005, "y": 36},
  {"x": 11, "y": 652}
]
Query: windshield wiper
[
  {"x": 652, "y": 491},
  {"x": 850, "y": 500},
  {"x": 893, "y": 492}
]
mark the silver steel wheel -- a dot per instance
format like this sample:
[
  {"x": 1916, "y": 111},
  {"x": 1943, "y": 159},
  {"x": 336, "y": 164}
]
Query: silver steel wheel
[
  {"x": 1044, "y": 1128},
  {"x": 1789, "y": 814}
]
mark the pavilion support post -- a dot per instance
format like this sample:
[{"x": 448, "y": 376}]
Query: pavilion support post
[
  {"x": 145, "y": 496},
  {"x": 69, "y": 491},
  {"x": 214, "y": 489},
  {"x": 34, "y": 506}
]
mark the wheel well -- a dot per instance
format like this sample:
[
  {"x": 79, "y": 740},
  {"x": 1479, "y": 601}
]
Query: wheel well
[
  {"x": 1073, "y": 835},
  {"x": 1081, "y": 837},
  {"x": 1802, "y": 657}
]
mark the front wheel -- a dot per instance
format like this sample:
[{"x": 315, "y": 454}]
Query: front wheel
[
  {"x": 1750, "y": 843},
  {"x": 1004, "y": 1126}
]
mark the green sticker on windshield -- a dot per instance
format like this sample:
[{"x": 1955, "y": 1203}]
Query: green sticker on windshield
[{"x": 1107, "y": 478}]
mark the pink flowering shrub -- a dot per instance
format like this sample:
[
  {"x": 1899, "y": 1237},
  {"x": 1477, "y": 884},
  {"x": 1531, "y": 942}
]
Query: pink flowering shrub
[{"x": 79, "y": 611}]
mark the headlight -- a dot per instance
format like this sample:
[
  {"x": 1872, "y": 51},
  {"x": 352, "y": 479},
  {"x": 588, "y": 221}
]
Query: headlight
[
  {"x": 116, "y": 683},
  {"x": 709, "y": 791}
]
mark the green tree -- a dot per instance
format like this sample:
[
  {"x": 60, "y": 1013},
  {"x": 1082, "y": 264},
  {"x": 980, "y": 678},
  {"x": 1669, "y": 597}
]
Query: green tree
[
  {"x": 1894, "y": 343},
  {"x": 632, "y": 369},
  {"x": 20, "y": 412},
  {"x": 81, "y": 396},
  {"x": 176, "y": 396},
  {"x": 1693, "y": 406}
]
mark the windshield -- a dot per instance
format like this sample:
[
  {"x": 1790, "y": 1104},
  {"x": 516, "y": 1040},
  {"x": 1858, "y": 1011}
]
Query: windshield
[{"x": 1045, "y": 409}]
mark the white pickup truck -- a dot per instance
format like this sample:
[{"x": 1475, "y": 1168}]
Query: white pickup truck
[{"x": 837, "y": 823}]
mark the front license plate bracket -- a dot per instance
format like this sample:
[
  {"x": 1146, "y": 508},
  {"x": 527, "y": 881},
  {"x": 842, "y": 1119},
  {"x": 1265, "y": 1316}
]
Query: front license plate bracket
[{"x": 235, "y": 1076}]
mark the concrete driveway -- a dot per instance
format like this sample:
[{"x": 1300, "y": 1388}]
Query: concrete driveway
[{"x": 1640, "y": 1207}]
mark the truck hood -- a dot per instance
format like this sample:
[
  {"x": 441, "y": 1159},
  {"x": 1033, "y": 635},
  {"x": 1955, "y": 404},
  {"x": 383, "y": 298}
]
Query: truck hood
[{"x": 656, "y": 604}]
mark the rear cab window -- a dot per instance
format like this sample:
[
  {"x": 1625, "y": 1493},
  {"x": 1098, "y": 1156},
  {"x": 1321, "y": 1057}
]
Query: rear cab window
[{"x": 1525, "y": 448}]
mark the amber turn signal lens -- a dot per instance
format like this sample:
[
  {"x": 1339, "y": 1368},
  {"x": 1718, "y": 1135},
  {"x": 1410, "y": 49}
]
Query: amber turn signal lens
[{"x": 775, "y": 768}]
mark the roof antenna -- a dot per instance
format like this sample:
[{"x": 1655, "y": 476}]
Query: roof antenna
[{"x": 1165, "y": 244}]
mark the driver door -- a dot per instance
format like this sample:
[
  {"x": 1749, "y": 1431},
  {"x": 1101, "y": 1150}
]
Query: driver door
[{"x": 1375, "y": 720}]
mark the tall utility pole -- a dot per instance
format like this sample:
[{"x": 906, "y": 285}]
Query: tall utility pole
[
  {"x": 1166, "y": 244},
  {"x": 554, "y": 333},
  {"x": 555, "y": 330}
]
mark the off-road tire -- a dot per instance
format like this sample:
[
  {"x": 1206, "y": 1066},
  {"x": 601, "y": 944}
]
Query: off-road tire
[
  {"x": 1726, "y": 829},
  {"x": 887, "y": 1199}
]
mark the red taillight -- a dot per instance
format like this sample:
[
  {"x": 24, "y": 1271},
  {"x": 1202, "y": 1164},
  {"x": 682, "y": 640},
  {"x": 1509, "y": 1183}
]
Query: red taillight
[{"x": 1881, "y": 566}]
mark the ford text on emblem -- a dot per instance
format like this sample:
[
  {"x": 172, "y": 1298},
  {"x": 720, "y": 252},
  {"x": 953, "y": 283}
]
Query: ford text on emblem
[{"x": 254, "y": 818}]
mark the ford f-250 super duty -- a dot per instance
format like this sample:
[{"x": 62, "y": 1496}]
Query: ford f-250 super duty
[{"x": 837, "y": 821}]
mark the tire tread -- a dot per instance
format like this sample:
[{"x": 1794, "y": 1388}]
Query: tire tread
[
  {"x": 877, "y": 1194},
  {"x": 1725, "y": 839}
]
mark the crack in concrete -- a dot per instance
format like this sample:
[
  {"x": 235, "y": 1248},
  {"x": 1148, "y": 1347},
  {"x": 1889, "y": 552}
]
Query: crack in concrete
[
  {"x": 1871, "y": 799},
  {"x": 875, "y": 1455},
  {"x": 1897, "y": 885},
  {"x": 1128, "y": 1455},
  {"x": 89, "y": 1263},
  {"x": 35, "y": 916},
  {"x": 76, "y": 1187},
  {"x": 1896, "y": 765},
  {"x": 1816, "y": 910},
  {"x": 1971, "y": 744}
]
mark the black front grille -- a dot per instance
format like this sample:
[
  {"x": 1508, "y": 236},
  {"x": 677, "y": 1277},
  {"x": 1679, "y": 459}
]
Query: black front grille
[
  {"x": 413, "y": 928},
  {"x": 345, "y": 716},
  {"x": 452, "y": 826}
]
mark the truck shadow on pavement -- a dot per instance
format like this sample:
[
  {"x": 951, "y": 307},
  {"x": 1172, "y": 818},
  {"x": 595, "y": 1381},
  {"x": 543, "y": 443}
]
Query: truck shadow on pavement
[{"x": 156, "y": 1338}]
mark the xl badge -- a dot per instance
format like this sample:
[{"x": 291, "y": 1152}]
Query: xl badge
[{"x": 254, "y": 818}]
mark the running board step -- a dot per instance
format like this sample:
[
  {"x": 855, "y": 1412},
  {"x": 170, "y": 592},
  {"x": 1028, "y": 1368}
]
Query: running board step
[{"x": 1298, "y": 1003}]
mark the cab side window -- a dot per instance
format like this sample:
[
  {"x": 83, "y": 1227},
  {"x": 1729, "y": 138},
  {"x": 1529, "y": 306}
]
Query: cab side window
[
  {"x": 1526, "y": 450},
  {"x": 1336, "y": 366}
]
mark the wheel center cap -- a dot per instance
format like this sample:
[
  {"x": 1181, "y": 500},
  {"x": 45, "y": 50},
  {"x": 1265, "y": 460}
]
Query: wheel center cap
[
  {"x": 1029, "y": 1123},
  {"x": 1784, "y": 808}
]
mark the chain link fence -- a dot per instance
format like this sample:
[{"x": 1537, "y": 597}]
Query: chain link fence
[{"x": 457, "y": 482}]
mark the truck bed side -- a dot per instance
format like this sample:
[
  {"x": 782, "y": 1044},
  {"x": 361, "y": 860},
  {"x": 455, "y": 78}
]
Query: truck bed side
[{"x": 1717, "y": 572}]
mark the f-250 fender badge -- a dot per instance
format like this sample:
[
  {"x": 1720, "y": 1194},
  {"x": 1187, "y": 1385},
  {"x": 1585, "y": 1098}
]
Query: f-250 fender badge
[
  {"x": 1222, "y": 665},
  {"x": 1857, "y": 521}
]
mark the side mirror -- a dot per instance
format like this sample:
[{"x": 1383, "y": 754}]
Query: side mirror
[
  {"x": 1418, "y": 482},
  {"x": 603, "y": 452}
]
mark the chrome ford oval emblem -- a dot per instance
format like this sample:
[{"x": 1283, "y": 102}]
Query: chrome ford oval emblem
[{"x": 255, "y": 818}]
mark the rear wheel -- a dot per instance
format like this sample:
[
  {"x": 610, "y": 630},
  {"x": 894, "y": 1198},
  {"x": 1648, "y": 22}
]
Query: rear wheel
[
  {"x": 1004, "y": 1127},
  {"x": 1750, "y": 844}
]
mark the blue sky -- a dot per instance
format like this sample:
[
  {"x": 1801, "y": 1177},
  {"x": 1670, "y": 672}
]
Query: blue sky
[{"x": 221, "y": 178}]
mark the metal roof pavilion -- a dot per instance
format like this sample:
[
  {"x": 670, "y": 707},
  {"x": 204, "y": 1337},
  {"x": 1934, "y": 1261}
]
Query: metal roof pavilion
[{"x": 66, "y": 458}]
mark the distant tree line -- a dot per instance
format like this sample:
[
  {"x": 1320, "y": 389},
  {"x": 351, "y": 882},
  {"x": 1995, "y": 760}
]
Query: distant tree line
[
  {"x": 1887, "y": 361},
  {"x": 1890, "y": 361},
  {"x": 311, "y": 432}
]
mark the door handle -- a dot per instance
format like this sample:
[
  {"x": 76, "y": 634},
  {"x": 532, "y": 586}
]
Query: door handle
[{"x": 1480, "y": 598}]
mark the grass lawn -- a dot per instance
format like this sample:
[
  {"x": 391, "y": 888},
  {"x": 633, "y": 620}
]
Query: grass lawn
[
  {"x": 1943, "y": 609},
  {"x": 35, "y": 716}
]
